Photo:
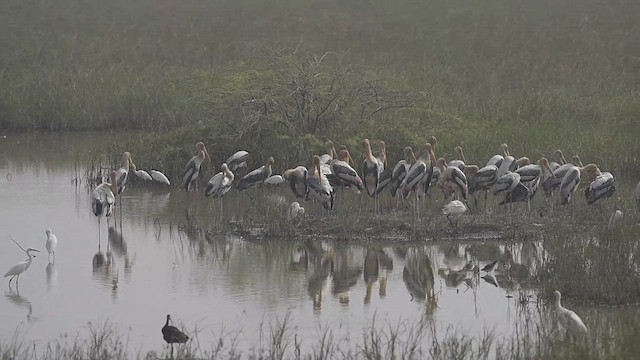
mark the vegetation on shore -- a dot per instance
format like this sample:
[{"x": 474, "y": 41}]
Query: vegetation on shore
[{"x": 278, "y": 79}]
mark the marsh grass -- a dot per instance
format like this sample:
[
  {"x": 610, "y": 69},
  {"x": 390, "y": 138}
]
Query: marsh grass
[{"x": 279, "y": 79}]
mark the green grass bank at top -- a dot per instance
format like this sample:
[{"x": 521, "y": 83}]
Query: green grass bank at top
[{"x": 537, "y": 75}]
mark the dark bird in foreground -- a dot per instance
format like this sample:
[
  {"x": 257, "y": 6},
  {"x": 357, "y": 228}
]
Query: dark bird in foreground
[
  {"x": 490, "y": 266},
  {"x": 172, "y": 335}
]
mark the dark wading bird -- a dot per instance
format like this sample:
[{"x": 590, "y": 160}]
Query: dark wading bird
[
  {"x": 172, "y": 335},
  {"x": 192, "y": 169}
]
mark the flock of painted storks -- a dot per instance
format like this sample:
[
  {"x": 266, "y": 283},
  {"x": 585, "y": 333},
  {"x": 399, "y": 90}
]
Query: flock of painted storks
[{"x": 513, "y": 180}]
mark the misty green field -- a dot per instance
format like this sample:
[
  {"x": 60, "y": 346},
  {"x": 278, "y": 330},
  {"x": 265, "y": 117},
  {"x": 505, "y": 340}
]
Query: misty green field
[{"x": 281, "y": 77}]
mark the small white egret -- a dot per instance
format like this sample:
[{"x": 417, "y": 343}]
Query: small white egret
[
  {"x": 52, "y": 243},
  {"x": 616, "y": 217},
  {"x": 20, "y": 267},
  {"x": 455, "y": 207},
  {"x": 295, "y": 212},
  {"x": 567, "y": 318}
]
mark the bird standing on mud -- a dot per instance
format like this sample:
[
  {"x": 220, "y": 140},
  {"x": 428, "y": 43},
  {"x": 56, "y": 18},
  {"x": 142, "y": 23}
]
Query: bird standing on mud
[
  {"x": 456, "y": 207},
  {"x": 192, "y": 169},
  {"x": 372, "y": 167},
  {"x": 172, "y": 335},
  {"x": 318, "y": 185}
]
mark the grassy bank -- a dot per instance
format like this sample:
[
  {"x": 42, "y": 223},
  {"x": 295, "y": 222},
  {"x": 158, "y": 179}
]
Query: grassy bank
[
  {"x": 536, "y": 338},
  {"x": 280, "y": 78}
]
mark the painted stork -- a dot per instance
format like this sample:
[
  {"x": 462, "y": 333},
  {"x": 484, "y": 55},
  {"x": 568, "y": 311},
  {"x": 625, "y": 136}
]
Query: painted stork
[
  {"x": 602, "y": 187},
  {"x": 157, "y": 176},
  {"x": 567, "y": 318},
  {"x": 297, "y": 179},
  {"x": 506, "y": 183},
  {"x": 172, "y": 335},
  {"x": 237, "y": 161},
  {"x": 220, "y": 183},
  {"x": 482, "y": 180},
  {"x": 192, "y": 169},
  {"x": 123, "y": 171},
  {"x": 344, "y": 173},
  {"x": 103, "y": 196},
  {"x": 561, "y": 160},
  {"x": 330, "y": 154},
  {"x": 571, "y": 180},
  {"x": 455, "y": 207},
  {"x": 51, "y": 244},
  {"x": 421, "y": 168},
  {"x": 401, "y": 169},
  {"x": 372, "y": 168},
  {"x": 141, "y": 174},
  {"x": 274, "y": 180},
  {"x": 460, "y": 160},
  {"x": 552, "y": 182},
  {"x": 350, "y": 161},
  {"x": 257, "y": 176},
  {"x": 452, "y": 180},
  {"x": 20, "y": 267},
  {"x": 318, "y": 185},
  {"x": 498, "y": 158}
]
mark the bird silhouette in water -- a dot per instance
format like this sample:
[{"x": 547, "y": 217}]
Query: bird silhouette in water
[{"x": 172, "y": 335}]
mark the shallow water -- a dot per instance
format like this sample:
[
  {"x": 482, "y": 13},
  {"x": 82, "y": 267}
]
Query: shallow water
[{"x": 155, "y": 261}]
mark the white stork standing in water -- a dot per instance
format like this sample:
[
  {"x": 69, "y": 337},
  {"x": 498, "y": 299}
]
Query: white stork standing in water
[
  {"x": 237, "y": 161},
  {"x": 297, "y": 179},
  {"x": 600, "y": 188},
  {"x": 569, "y": 320},
  {"x": 257, "y": 176},
  {"x": 103, "y": 198},
  {"x": 400, "y": 171},
  {"x": 157, "y": 176},
  {"x": 192, "y": 169},
  {"x": 123, "y": 171},
  {"x": 318, "y": 185}
]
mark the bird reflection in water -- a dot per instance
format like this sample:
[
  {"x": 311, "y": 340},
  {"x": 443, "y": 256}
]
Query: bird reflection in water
[
  {"x": 386, "y": 264},
  {"x": 419, "y": 279},
  {"x": 104, "y": 271},
  {"x": 345, "y": 275},
  {"x": 20, "y": 301},
  {"x": 118, "y": 245},
  {"x": 52, "y": 275},
  {"x": 322, "y": 267},
  {"x": 299, "y": 259},
  {"x": 371, "y": 272}
]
